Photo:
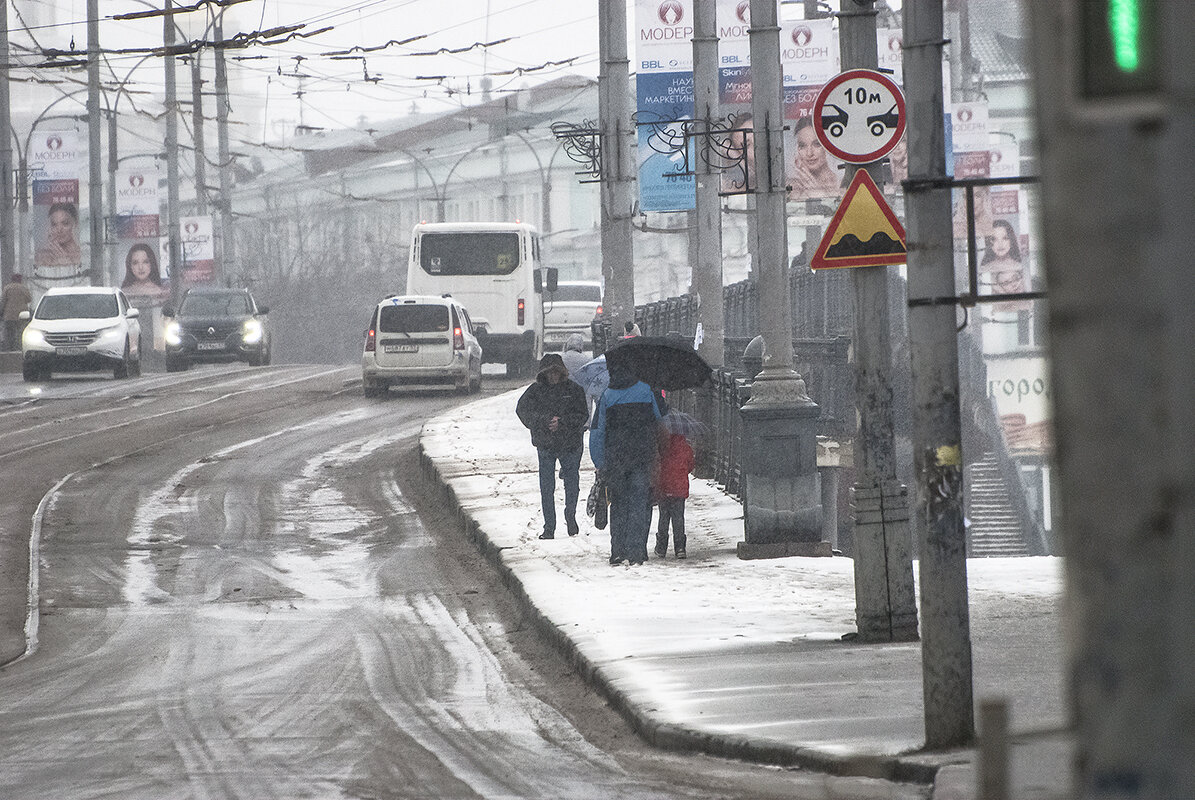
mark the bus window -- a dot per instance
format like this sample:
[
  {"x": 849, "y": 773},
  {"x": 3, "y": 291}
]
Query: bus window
[{"x": 469, "y": 253}]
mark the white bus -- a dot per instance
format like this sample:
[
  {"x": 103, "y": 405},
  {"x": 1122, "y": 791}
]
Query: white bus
[{"x": 494, "y": 269}]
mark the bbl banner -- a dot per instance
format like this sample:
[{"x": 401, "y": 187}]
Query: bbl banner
[
  {"x": 664, "y": 84},
  {"x": 137, "y": 229},
  {"x": 199, "y": 251},
  {"x": 55, "y": 160}
]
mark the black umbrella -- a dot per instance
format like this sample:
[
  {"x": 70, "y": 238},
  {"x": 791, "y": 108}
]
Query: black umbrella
[{"x": 662, "y": 362}]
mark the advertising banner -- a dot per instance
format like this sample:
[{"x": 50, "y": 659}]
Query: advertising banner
[
  {"x": 664, "y": 84},
  {"x": 138, "y": 230},
  {"x": 55, "y": 160},
  {"x": 199, "y": 250}
]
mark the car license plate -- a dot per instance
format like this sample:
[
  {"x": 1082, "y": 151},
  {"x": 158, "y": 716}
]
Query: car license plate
[
  {"x": 210, "y": 346},
  {"x": 71, "y": 351},
  {"x": 402, "y": 348}
]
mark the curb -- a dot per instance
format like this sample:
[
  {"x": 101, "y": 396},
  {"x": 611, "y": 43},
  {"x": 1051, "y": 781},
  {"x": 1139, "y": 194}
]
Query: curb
[{"x": 670, "y": 736}]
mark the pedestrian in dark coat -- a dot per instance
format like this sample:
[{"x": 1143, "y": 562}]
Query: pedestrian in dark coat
[
  {"x": 623, "y": 446},
  {"x": 13, "y": 300},
  {"x": 553, "y": 409}
]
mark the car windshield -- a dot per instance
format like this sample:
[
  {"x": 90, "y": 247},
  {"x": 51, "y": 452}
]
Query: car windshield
[
  {"x": 576, "y": 293},
  {"x": 214, "y": 305},
  {"x": 413, "y": 319},
  {"x": 77, "y": 306}
]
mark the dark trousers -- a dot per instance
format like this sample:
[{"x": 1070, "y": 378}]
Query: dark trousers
[
  {"x": 671, "y": 509},
  {"x": 12, "y": 333},
  {"x": 630, "y": 503},
  {"x": 570, "y": 474}
]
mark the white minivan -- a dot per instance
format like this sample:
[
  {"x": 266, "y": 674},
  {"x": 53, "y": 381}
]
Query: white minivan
[{"x": 420, "y": 339}]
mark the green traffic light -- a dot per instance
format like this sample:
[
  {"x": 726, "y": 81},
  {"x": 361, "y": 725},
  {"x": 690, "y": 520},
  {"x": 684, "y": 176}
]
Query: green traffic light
[{"x": 1124, "y": 23}]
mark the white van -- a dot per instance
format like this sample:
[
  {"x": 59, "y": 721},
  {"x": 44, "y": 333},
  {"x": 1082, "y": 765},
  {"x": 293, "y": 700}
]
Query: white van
[
  {"x": 420, "y": 339},
  {"x": 494, "y": 269}
]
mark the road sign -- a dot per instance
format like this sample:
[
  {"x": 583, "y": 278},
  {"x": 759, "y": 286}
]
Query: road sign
[
  {"x": 864, "y": 232},
  {"x": 859, "y": 115}
]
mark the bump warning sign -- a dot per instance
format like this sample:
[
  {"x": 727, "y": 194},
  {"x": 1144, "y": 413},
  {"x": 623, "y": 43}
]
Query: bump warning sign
[{"x": 864, "y": 231}]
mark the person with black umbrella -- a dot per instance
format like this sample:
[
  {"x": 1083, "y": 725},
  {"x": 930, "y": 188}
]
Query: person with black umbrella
[
  {"x": 554, "y": 410},
  {"x": 622, "y": 445}
]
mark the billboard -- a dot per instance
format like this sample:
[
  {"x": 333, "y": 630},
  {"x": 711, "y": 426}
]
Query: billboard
[
  {"x": 138, "y": 232},
  {"x": 55, "y": 160}
]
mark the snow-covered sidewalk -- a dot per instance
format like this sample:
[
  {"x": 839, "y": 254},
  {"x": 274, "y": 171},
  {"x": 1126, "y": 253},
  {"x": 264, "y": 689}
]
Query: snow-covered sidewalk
[{"x": 745, "y": 658}]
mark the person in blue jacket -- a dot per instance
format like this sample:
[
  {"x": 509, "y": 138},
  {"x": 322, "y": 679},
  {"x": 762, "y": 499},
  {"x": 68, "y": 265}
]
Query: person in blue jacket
[{"x": 622, "y": 445}]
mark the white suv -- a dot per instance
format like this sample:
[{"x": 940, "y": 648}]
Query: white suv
[
  {"x": 80, "y": 329},
  {"x": 420, "y": 339}
]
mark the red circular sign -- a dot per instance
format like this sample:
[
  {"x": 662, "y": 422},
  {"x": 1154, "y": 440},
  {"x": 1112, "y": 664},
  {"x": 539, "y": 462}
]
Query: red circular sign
[{"x": 859, "y": 115}]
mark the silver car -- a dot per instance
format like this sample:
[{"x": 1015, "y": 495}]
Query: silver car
[{"x": 415, "y": 339}]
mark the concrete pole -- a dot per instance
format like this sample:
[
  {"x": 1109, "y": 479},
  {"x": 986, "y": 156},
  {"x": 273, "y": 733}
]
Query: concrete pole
[
  {"x": 227, "y": 262},
  {"x": 707, "y": 218},
  {"x": 172, "y": 211},
  {"x": 95, "y": 181},
  {"x": 198, "y": 135},
  {"x": 782, "y": 508},
  {"x": 114, "y": 273},
  {"x": 618, "y": 165},
  {"x": 885, "y": 598},
  {"x": 937, "y": 433},
  {"x": 1118, "y": 195},
  {"x": 7, "y": 229}
]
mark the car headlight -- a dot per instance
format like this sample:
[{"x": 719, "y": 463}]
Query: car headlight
[
  {"x": 32, "y": 337},
  {"x": 174, "y": 334},
  {"x": 251, "y": 331},
  {"x": 114, "y": 332}
]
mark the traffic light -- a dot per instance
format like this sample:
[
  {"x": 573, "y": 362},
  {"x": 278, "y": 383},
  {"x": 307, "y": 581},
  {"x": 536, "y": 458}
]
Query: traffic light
[{"x": 1119, "y": 49}]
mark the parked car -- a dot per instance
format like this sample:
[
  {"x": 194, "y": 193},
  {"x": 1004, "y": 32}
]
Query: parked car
[
  {"x": 420, "y": 339},
  {"x": 571, "y": 309},
  {"x": 81, "y": 329},
  {"x": 216, "y": 324}
]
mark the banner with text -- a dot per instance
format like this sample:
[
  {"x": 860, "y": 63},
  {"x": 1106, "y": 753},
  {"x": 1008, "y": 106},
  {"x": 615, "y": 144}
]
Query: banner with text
[
  {"x": 138, "y": 230},
  {"x": 199, "y": 250},
  {"x": 56, "y": 159}
]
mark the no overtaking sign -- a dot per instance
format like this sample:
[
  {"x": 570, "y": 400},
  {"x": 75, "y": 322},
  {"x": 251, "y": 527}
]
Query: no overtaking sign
[{"x": 859, "y": 115}]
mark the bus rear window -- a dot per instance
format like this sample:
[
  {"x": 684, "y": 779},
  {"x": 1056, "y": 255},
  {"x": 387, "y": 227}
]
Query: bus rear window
[
  {"x": 469, "y": 253},
  {"x": 413, "y": 319}
]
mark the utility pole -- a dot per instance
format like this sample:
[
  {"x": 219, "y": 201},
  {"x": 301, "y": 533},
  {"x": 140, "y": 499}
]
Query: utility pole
[
  {"x": 885, "y": 598},
  {"x": 226, "y": 262},
  {"x": 618, "y": 164},
  {"x": 782, "y": 511},
  {"x": 174, "y": 237},
  {"x": 1116, "y": 112},
  {"x": 95, "y": 183},
  {"x": 937, "y": 432},
  {"x": 113, "y": 162},
  {"x": 198, "y": 135},
  {"x": 7, "y": 242},
  {"x": 707, "y": 218}
]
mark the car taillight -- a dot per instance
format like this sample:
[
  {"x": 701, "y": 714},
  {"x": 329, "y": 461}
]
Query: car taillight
[
  {"x": 598, "y": 313},
  {"x": 522, "y": 311},
  {"x": 371, "y": 341},
  {"x": 458, "y": 339}
]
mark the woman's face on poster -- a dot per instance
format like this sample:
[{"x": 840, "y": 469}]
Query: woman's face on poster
[
  {"x": 140, "y": 265},
  {"x": 1001, "y": 241},
  {"x": 810, "y": 153},
  {"x": 62, "y": 227}
]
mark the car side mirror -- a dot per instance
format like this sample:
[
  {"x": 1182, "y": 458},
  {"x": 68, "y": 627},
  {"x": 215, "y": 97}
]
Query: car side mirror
[
  {"x": 553, "y": 278},
  {"x": 263, "y": 309},
  {"x": 25, "y": 315},
  {"x": 167, "y": 311},
  {"x": 539, "y": 283},
  {"x": 132, "y": 313}
]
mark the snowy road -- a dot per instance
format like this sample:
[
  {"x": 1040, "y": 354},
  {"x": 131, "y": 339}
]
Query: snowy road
[{"x": 240, "y": 595}]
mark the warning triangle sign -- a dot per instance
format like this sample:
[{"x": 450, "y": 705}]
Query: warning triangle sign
[{"x": 864, "y": 232}]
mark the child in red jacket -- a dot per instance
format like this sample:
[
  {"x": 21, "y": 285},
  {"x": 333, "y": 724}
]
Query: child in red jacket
[{"x": 672, "y": 486}]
